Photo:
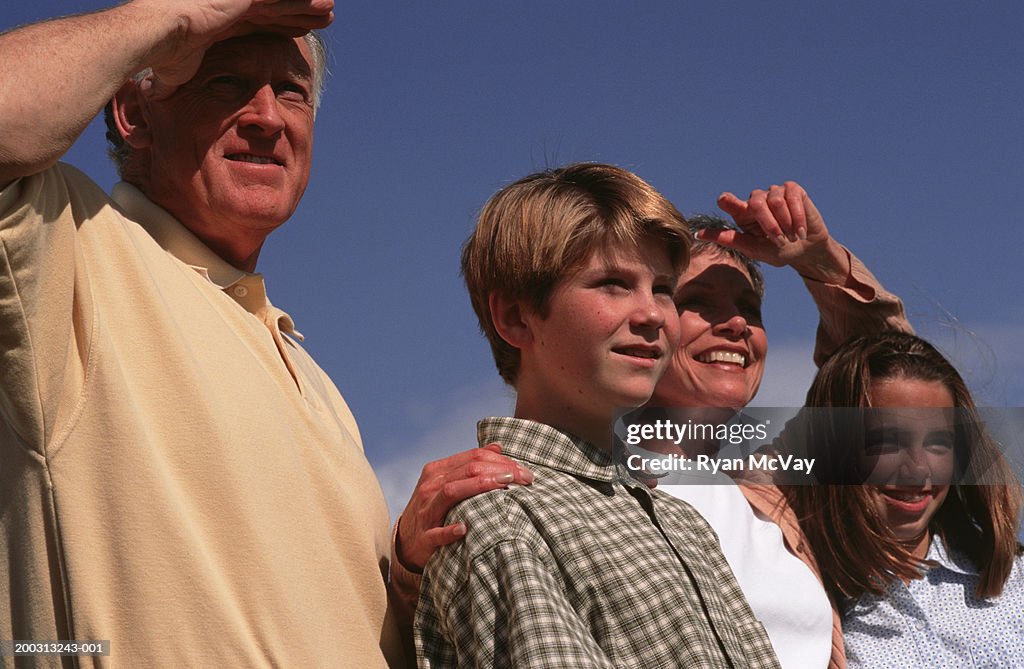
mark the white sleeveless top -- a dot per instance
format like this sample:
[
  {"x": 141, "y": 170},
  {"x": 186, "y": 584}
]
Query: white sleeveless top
[{"x": 781, "y": 589}]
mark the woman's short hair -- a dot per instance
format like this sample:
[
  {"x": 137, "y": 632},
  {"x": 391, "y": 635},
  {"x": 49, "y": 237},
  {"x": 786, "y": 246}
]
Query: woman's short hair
[{"x": 698, "y": 222}]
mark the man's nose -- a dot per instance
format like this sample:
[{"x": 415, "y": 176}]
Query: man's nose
[{"x": 262, "y": 111}]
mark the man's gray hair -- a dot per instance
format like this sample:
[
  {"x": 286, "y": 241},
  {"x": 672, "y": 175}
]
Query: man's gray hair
[{"x": 118, "y": 149}]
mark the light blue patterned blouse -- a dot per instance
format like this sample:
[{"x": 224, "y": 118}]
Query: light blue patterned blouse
[{"x": 937, "y": 621}]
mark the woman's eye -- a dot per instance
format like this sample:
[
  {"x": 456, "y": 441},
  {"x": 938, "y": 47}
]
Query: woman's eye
[{"x": 691, "y": 302}]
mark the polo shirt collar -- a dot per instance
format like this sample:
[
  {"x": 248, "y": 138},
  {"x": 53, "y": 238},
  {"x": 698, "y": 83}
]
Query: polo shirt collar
[
  {"x": 174, "y": 237},
  {"x": 246, "y": 289}
]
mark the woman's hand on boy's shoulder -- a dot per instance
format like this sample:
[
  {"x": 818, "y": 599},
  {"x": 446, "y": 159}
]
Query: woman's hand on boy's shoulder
[{"x": 443, "y": 484}]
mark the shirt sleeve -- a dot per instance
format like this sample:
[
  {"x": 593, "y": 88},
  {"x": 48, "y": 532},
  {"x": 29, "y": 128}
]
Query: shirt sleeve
[
  {"x": 504, "y": 607},
  {"x": 862, "y": 307},
  {"x": 45, "y": 306}
]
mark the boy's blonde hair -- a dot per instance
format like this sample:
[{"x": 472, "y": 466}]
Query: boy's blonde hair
[{"x": 545, "y": 226}]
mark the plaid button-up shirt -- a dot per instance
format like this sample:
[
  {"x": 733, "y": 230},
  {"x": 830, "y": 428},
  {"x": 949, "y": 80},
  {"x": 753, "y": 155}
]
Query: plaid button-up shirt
[{"x": 584, "y": 568}]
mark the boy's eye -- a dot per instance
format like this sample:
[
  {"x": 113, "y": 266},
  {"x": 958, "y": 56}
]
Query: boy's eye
[{"x": 612, "y": 283}]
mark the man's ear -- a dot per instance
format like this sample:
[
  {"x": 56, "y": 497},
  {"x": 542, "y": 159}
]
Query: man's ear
[
  {"x": 130, "y": 116},
  {"x": 511, "y": 318}
]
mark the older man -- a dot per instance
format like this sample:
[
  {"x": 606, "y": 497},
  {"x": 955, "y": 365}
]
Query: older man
[{"x": 176, "y": 473}]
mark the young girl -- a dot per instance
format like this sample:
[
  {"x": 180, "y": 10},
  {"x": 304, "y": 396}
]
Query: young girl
[{"x": 922, "y": 557}]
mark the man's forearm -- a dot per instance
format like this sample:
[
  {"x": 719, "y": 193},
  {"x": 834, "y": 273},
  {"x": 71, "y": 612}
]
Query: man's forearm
[{"x": 58, "y": 75}]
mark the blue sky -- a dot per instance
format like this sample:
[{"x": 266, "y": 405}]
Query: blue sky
[{"x": 903, "y": 121}]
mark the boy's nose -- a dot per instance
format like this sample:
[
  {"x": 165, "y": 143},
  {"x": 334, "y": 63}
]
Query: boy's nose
[{"x": 649, "y": 313}]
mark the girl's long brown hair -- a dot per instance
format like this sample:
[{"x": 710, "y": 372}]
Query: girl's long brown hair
[{"x": 855, "y": 550}]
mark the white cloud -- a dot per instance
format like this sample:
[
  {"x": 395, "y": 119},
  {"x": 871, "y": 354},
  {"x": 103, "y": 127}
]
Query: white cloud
[
  {"x": 447, "y": 432},
  {"x": 788, "y": 372}
]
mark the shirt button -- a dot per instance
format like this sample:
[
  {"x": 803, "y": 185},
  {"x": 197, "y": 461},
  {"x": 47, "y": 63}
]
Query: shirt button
[
  {"x": 240, "y": 291},
  {"x": 919, "y": 625}
]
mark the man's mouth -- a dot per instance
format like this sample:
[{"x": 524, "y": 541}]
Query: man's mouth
[
  {"x": 729, "y": 357},
  {"x": 250, "y": 158}
]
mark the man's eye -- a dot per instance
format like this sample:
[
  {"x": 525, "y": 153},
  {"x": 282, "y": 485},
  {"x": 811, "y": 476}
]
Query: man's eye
[
  {"x": 226, "y": 81},
  {"x": 293, "y": 91}
]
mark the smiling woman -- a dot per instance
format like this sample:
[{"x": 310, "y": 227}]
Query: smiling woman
[{"x": 717, "y": 370}]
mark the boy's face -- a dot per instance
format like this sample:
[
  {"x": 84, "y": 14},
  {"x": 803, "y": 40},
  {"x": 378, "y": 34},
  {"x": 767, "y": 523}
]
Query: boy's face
[{"x": 610, "y": 332}]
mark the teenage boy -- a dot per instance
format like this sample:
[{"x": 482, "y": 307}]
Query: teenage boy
[{"x": 572, "y": 273}]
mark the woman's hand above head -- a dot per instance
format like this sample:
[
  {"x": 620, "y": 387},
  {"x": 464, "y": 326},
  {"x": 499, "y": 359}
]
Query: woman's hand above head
[{"x": 781, "y": 226}]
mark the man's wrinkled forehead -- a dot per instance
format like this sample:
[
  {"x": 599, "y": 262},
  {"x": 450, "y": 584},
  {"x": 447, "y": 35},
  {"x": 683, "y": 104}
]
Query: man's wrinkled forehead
[{"x": 260, "y": 50}]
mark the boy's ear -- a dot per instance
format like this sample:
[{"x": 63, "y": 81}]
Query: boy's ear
[
  {"x": 511, "y": 319},
  {"x": 130, "y": 117}
]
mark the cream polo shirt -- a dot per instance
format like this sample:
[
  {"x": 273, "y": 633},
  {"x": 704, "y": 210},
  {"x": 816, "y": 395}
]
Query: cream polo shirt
[{"x": 176, "y": 474}]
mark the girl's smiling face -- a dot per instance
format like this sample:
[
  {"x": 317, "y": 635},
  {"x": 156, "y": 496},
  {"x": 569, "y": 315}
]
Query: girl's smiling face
[{"x": 909, "y": 455}]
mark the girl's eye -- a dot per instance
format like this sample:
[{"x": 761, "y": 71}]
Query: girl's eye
[
  {"x": 879, "y": 442},
  {"x": 939, "y": 444}
]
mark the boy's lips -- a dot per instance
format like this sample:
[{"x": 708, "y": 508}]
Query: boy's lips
[{"x": 643, "y": 352}]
